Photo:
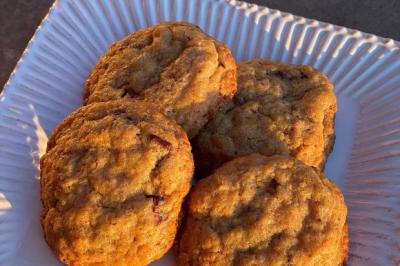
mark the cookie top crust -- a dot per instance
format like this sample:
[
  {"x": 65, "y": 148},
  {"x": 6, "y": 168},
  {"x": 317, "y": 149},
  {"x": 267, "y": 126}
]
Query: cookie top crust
[
  {"x": 173, "y": 64},
  {"x": 278, "y": 109},
  {"x": 112, "y": 183},
  {"x": 257, "y": 210}
]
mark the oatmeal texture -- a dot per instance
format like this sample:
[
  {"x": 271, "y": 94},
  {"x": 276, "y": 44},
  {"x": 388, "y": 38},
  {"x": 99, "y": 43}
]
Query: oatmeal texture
[
  {"x": 258, "y": 210},
  {"x": 278, "y": 109},
  {"x": 112, "y": 183},
  {"x": 173, "y": 64}
]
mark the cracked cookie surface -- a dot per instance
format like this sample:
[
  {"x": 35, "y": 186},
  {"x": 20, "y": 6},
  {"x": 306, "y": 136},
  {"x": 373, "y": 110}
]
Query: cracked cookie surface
[
  {"x": 257, "y": 210},
  {"x": 173, "y": 64},
  {"x": 278, "y": 109},
  {"x": 112, "y": 183}
]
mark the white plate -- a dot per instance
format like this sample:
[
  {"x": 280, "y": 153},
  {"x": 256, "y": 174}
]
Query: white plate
[{"x": 47, "y": 83}]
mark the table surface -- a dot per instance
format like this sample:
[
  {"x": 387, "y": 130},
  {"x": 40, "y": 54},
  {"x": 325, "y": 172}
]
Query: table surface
[{"x": 20, "y": 18}]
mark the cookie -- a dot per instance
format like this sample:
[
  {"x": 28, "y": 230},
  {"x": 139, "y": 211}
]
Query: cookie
[
  {"x": 278, "y": 109},
  {"x": 257, "y": 210},
  {"x": 113, "y": 179},
  {"x": 173, "y": 64}
]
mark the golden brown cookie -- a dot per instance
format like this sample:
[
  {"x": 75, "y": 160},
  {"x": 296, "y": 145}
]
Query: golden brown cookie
[
  {"x": 112, "y": 183},
  {"x": 278, "y": 109},
  {"x": 173, "y": 64},
  {"x": 257, "y": 210}
]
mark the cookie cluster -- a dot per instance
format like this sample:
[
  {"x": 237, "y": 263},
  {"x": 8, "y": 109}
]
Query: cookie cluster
[{"x": 117, "y": 171}]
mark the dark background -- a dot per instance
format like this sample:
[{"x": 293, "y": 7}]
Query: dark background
[{"x": 20, "y": 18}]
